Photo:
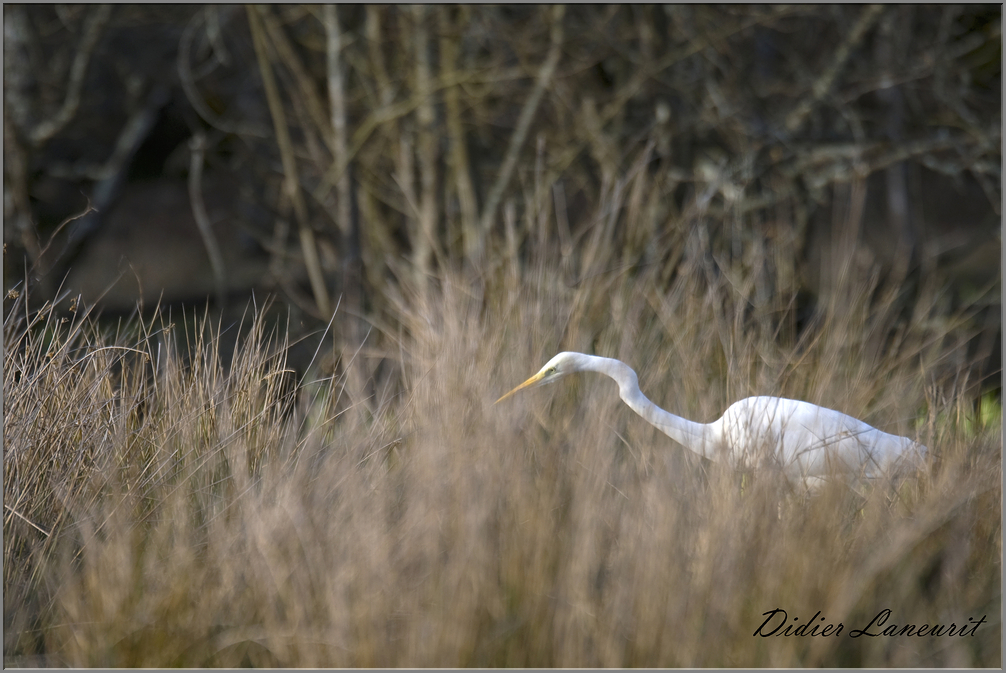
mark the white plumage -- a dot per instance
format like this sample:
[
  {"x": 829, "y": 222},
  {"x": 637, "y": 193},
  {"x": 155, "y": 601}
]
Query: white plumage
[{"x": 807, "y": 442}]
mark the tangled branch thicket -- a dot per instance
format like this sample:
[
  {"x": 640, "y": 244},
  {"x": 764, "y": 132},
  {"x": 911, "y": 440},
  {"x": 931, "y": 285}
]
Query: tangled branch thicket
[
  {"x": 447, "y": 196},
  {"x": 605, "y": 126}
]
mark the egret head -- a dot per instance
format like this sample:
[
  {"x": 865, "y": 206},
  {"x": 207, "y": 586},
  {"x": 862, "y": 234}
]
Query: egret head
[{"x": 554, "y": 369}]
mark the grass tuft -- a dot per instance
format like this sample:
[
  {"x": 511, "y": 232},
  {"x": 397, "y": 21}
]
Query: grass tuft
[{"x": 167, "y": 507}]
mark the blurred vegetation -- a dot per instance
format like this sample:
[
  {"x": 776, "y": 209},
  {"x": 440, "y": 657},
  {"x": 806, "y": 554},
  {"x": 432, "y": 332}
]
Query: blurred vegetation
[
  {"x": 795, "y": 200},
  {"x": 164, "y": 509},
  {"x": 364, "y": 150}
]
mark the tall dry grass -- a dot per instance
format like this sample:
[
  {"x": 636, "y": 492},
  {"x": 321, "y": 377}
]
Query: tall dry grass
[
  {"x": 628, "y": 182},
  {"x": 167, "y": 507}
]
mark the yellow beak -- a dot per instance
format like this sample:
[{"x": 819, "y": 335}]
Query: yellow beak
[{"x": 530, "y": 382}]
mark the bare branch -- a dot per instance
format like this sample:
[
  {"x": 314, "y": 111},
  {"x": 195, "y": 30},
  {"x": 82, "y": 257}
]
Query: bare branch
[
  {"x": 827, "y": 78},
  {"x": 523, "y": 124},
  {"x": 289, "y": 58},
  {"x": 290, "y": 181},
  {"x": 195, "y": 98},
  {"x": 198, "y": 148},
  {"x": 92, "y": 31},
  {"x": 424, "y": 241},
  {"x": 337, "y": 103},
  {"x": 458, "y": 153}
]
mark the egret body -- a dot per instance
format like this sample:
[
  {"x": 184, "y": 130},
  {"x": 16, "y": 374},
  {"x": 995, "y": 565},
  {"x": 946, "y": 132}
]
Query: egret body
[{"x": 807, "y": 442}]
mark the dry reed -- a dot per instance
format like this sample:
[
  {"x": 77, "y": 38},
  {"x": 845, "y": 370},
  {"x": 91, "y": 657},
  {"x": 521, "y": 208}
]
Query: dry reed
[{"x": 165, "y": 507}]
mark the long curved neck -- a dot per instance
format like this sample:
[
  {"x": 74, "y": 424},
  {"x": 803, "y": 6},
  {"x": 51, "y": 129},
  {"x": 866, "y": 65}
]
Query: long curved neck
[{"x": 695, "y": 436}]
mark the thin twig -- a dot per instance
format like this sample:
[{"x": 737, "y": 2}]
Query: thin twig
[
  {"x": 309, "y": 94},
  {"x": 337, "y": 102},
  {"x": 827, "y": 78},
  {"x": 187, "y": 79},
  {"x": 46, "y": 129},
  {"x": 425, "y": 241},
  {"x": 27, "y": 521},
  {"x": 523, "y": 124},
  {"x": 197, "y": 146},
  {"x": 458, "y": 163},
  {"x": 291, "y": 184}
]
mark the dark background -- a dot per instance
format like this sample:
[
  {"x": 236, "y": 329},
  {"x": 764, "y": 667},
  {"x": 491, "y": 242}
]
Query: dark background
[{"x": 810, "y": 124}]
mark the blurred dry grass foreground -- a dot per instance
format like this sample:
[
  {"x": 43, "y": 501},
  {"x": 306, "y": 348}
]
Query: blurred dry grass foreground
[
  {"x": 800, "y": 201},
  {"x": 164, "y": 509}
]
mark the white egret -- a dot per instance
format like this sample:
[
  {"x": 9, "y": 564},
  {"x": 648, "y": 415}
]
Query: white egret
[{"x": 807, "y": 442}]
